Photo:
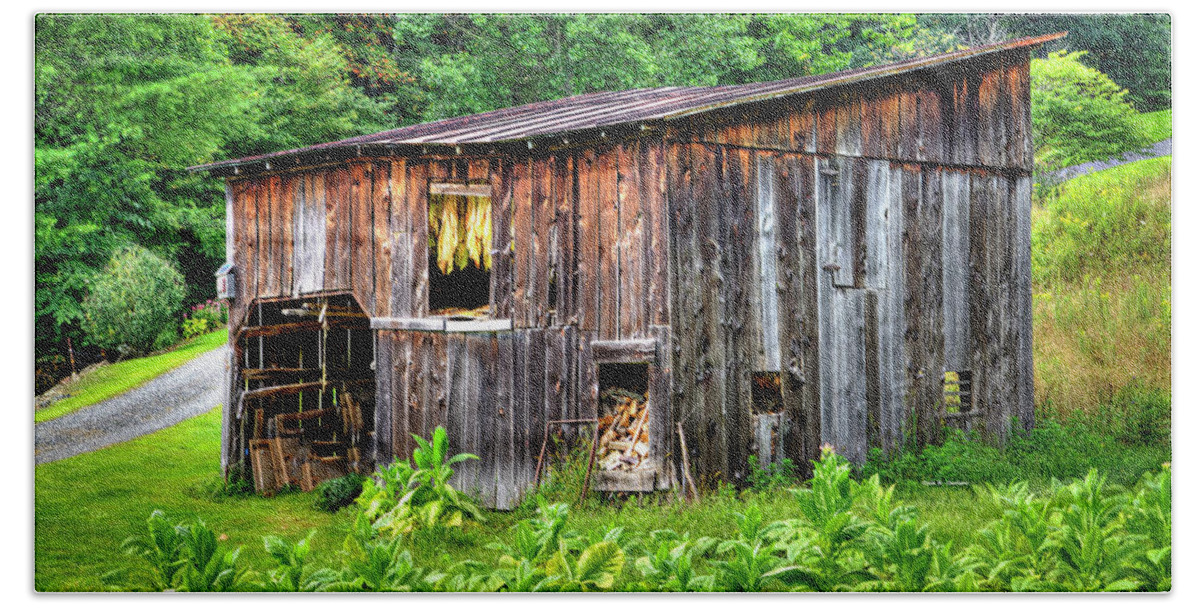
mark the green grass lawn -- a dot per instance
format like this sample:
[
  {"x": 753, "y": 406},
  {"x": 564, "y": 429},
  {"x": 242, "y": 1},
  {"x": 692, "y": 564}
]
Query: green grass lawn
[
  {"x": 86, "y": 505},
  {"x": 1156, "y": 125},
  {"x": 112, "y": 380}
]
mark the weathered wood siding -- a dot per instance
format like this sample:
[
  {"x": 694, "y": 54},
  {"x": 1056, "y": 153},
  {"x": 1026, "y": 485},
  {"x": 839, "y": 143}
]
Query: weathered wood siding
[
  {"x": 903, "y": 252},
  {"x": 973, "y": 113}
]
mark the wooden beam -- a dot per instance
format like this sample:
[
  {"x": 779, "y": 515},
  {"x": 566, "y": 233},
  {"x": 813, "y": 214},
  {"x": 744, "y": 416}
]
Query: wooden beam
[{"x": 625, "y": 351}]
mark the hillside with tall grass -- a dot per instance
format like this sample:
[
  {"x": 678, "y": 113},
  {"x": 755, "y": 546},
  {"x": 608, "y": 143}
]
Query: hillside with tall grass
[{"x": 1102, "y": 297}]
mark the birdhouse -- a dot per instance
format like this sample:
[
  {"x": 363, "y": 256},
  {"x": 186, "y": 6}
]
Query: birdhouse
[{"x": 226, "y": 285}]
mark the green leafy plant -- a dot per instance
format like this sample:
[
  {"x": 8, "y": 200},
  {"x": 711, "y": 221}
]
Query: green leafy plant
[
  {"x": 333, "y": 494},
  {"x": 774, "y": 475},
  {"x": 132, "y": 304},
  {"x": 419, "y": 495}
]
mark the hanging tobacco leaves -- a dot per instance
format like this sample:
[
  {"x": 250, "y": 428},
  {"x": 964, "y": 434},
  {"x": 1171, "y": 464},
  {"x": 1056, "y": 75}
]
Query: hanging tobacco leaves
[{"x": 460, "y": 231}]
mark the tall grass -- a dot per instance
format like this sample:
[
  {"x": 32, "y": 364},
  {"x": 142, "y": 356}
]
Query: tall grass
[{"x": 1102, "y": 287}]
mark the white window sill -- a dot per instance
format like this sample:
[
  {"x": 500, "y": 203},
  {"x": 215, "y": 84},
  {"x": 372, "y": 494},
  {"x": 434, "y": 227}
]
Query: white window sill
[{"x": 442, "y": 324}]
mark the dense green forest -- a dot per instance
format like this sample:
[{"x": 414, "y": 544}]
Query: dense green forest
[{"x": 124, "y": 103}]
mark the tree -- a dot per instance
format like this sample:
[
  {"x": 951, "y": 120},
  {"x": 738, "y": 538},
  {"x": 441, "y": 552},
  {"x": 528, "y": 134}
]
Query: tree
[
  {"x": 133, "y": 305},
  {"x": 1079, "y": 114},
  {"x": 122, "y": 104},
  {"x": 463, "y": 64}
]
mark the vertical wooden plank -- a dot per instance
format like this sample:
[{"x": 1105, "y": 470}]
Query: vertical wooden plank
[
  {"x": 266, "y": 246},
  {"x": 652, "y": 191},
  {"x": 381, "y": 214},
  {"x": 875, "y": 224},
  {"x": 956, "y": 218},
  {"x": 536, "y": 395},
  {"x": 931, "y": 143},
  {"x": 555, "y": 406},
  {"x": 483, "y": 360},
  {"x": 743, "y": 334},
  {"x": 505, "y": 176},
  {"x": 989, "y": 100},
  {"x": 910, "y": 133},
  {"x": 707, "y": 174},
  {"x": 249, "y": 274},
  {"x": 804, "y": 127},
  {"x": 889, "y": 122},
  {"x": 871, "y": 143},
  {"x": 588, "y": 244},
  {"x": 893, "y": 381},
  {"x": 768, "y": 275},
  {"x": 966, "y": 111},
  {"x": 520, "y": 410},
  {"x": 523, "y": 260},
  {"x": 418, "y": 225},
  {"x": 362, "y": 269},
  {"x": 589, "y": 382},
  {"x": 1023, "y": 288},
  {"x": 298, "y": 252},
  {"x": 632, "y": 295},
  {"x": 506, "y": 453},
  {"x": 825, "y": 117},
  {"x": 540, "y": 252},
  {"x": 921, "y": 192},
  {"x": 401, "y": 363},
  {"x": 287, "y": 210},
  {"x": 849, "y": 124},
  {"x": 400, "y": 239},
  {"x": 384, "y": 409},
  {"x": 565, "y": 189},
  {"x": 301, "y": 239},
  {"x": 608, "y": 283}
]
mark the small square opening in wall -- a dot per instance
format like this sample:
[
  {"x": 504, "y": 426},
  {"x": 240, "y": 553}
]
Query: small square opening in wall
[
  {"x": 460, "y": 250},
  {"x": 624, "y": 417},
  {"x": 766, "y": 393},
  {"x": 956, "y": 391}
]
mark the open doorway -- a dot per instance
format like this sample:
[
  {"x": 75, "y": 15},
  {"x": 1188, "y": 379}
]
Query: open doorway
[{"x": 306, "y": 408}]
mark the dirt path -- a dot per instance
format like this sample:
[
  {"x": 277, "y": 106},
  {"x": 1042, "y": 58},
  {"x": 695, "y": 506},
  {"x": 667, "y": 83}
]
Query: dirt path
[
  {"x": 1161, "y": 148},
  {"x": 184, "y": 392}
]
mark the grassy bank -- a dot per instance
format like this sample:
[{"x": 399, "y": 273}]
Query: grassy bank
[
  {"x": 1102, "y": 288},
  {"x": 112, "y": 380}
]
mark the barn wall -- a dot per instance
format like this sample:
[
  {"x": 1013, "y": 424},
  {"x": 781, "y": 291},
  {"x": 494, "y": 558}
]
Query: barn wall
[
  {"x": 971, "y": 113},
  {"x": 900, "y": 218}
]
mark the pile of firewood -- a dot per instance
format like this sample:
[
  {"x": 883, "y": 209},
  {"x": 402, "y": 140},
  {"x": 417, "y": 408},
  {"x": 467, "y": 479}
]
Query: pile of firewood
[{"x": 625, "y": 431}]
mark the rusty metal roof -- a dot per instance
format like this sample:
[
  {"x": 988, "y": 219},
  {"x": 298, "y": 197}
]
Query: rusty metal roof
[{"x": 607, "y": 109}]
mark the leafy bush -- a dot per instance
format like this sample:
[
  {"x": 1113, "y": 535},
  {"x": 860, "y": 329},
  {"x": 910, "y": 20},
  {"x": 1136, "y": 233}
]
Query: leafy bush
[
  {"x": 195, "y": 327},
  {"x": 132, "y": 305},
  {"x": 334, "y": 494},
  {"x": 418, "y": 495},
  {"x": 1079, "y": 114}
]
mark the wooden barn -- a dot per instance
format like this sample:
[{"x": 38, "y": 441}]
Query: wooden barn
[{"x": 754, "y": 269}]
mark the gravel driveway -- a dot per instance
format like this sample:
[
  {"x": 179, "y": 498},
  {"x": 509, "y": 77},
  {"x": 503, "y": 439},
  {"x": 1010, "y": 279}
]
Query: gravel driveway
[{"x": 184, "y": 392}]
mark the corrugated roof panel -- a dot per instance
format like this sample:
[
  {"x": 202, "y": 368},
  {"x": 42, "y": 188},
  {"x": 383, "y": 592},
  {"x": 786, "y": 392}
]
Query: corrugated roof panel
[{"x": 611, "y": 108}]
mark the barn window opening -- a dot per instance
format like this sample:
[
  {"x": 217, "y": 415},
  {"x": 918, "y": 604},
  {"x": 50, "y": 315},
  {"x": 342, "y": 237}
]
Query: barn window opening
[
  {"x": 460, "y": 250},
  {"x": 956, "y": 392},
  {"x": 766, "y": 405},
  {"x": 624, "y": 417}
]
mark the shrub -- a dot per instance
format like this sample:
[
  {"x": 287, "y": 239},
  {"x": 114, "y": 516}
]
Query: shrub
[
  {"x": 195, "y": 327},
  {"x": 334, "y": 494},
  {"x": 133, "y": 304},
  {"x": 1079, "y": 114}
]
